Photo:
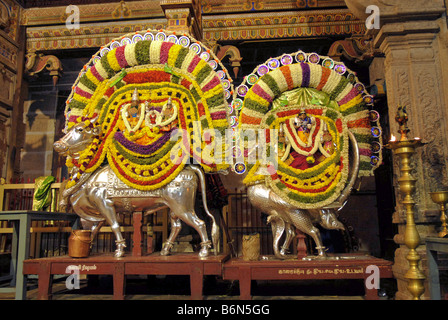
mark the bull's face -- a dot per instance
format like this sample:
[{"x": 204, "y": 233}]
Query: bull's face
[
  {"x": 76, "y": 140},
  {"x": 331, "y": 222}
]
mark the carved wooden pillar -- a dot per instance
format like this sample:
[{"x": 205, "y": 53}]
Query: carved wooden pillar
[
  {"x": 413, "y": 38},
  {"x": 4, "y": 115},
  {"x": 184, "y": 16},
  {"x": 234, "y": 57},
  {"x": 38, "y": 62}
]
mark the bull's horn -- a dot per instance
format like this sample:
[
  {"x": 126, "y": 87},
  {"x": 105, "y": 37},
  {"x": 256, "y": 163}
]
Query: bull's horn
[{"x": 95, "y": 119}]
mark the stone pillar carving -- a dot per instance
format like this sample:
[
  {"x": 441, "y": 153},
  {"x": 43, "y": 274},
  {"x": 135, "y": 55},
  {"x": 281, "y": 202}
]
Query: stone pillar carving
[{"x": 414, "y": 40}]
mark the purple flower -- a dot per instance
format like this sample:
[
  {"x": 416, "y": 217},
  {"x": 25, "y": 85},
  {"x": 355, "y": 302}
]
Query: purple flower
[
  {"x": 305, "y": 74},
  {"x": 142, "y": 149}
]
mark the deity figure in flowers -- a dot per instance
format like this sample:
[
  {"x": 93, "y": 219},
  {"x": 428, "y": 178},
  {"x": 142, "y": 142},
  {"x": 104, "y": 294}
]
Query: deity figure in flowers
[
  {"x": 133, "y": 114},
  {"x": 133, "y": 110},
  {"x": 152, "y": 117},
  {"x": 169, "y": 116},
  {"x": 282, "y": 141},
  {"x": 327, "y": 146},
  {"x": 303, "y": 125}
]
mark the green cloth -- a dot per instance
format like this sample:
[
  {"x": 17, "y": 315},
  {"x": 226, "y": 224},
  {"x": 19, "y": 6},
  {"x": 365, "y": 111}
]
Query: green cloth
[
  {"x": 305, "y": 97},
  {"x": 42, "y": 193}
]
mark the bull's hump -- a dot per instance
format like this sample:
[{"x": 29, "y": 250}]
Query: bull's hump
[{"x": 186, "y": 175}]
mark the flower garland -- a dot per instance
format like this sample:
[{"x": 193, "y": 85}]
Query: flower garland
[
  {"x": 124, "y": 117},
  {"x": 349, "y": 95},
  {"x": 148, "y": 159},
  {"x": 345, "y": 109},
  {"x": 313, "y": 187}
]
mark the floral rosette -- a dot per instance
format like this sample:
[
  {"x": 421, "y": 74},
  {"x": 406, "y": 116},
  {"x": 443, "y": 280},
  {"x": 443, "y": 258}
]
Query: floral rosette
[
  {"x": 303, "y": 173},
  {"x": 173, "y": 69}
]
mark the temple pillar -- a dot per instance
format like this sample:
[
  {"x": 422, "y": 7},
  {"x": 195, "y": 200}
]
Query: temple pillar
[
  {"x": 184, "y": 16},
  {"x": 4, "y": 138},
  {"x": 414, "y": 41}
]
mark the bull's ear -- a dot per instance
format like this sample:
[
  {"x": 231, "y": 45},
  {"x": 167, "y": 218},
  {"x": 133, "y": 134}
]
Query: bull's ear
[{"x": 96, "y": 130}]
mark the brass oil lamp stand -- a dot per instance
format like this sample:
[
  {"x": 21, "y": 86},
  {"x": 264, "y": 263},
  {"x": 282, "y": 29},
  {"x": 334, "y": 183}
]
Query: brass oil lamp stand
[
  {"x": 405, "y": 148},
  {"x": 441, "y": 198}
]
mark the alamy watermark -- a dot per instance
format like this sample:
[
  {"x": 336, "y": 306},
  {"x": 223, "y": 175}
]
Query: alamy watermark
[
  {"x": 373, "y": 20},
  {"x": 373, "y": 280},
  {"x": 253, "y": 146},
  {"x": 73, "y": 17},
  {"x": 72, "y": 281}
]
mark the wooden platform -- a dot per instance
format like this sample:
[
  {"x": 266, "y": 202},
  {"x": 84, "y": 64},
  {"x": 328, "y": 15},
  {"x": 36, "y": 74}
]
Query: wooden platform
[
  {"x": 154, "y": 264},
  {"x": 348, "y": 266}
]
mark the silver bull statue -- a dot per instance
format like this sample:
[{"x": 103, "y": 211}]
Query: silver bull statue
[
  {"x": 284, "y": 216},
  {"x": 98, "y": 196}
]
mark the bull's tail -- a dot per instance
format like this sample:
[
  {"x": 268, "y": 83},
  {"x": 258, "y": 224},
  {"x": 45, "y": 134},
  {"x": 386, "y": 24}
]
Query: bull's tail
[{"x": 215, "y": 228}]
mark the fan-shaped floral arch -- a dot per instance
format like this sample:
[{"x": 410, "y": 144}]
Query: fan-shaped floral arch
[
  {"x": 313, "y": 161},
  {"x": 159, "y": 74}
]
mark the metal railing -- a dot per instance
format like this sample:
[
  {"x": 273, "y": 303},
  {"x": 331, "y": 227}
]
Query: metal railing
[{"x": 50, "y": 238}]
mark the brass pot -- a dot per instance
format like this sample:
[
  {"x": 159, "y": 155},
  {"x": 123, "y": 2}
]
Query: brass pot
[{"x": 79, "y": 243}]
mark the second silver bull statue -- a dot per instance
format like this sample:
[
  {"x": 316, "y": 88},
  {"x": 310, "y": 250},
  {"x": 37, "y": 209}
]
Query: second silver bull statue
[
  {"x": 284, "y": 217},
  {"x": 98, "y": 196}
]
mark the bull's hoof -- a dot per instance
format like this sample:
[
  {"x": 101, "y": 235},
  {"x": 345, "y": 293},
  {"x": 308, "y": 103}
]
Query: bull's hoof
[
  {"x": 119, "y": 252},
  {"x": 204, "y": 253},
  {"x": 166, "y": 249},
  {"x": 205, "y": 249},
  {"x": 284, "y": 252},
  {"x": 322, "y": 255},
  {"x": 165, "y": 252},
  {"x": 280, "y": 255},
  {"x": 312, "y": 258}
]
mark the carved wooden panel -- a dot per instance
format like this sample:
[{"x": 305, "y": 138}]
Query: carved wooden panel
[{"x": 7, "y": 86}]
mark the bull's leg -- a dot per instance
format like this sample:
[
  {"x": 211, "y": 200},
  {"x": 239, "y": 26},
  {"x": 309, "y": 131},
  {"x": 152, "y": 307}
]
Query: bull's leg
[
  {"x": 176, "y": 226},
  {"x": 302, "y": 221},
  {"x": 192, "y": 220},
  {"x": 289, "y": 236},
  {"x": 278, "y": 227},
  {"x": 95, "y": 229},
  {"x": 107, "y": 209}
]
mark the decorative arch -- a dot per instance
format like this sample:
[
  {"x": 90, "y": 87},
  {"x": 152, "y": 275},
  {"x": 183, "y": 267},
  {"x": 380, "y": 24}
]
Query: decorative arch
[
  {"x": 271, "y": 98},
  {"x": 165, "y": 69}
]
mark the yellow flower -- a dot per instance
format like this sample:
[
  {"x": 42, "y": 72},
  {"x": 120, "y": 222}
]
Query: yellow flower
[
  {"x": 112, "y": 59},
  {"x": 173, "y": 53},
  {"x": 310, "y": 159}
]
